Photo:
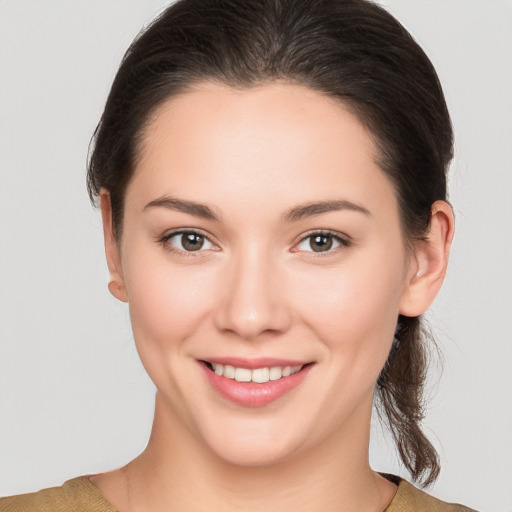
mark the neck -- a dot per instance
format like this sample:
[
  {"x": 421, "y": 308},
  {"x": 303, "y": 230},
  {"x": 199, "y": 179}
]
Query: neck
[{"x": 176, "y": 472}]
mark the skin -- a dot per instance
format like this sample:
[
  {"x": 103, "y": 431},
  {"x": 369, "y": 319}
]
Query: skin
[{"x": 257, "y": 289}]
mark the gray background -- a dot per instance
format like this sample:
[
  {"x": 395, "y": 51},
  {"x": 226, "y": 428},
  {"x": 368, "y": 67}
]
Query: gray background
[{"x": 73, "y": 396}]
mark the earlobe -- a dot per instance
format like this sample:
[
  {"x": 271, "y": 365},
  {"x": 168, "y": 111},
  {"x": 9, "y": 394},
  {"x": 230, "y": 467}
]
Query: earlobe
[
  {"x": 429, "y": 262},
  {"x": 116, "y": 284}
]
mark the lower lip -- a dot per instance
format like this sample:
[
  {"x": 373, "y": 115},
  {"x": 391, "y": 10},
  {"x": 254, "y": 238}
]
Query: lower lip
[{"x": 252, "y": 394}]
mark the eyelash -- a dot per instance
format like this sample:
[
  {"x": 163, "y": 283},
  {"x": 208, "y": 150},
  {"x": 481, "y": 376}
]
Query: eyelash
[
  {"x": 343, "y": 242},
  {"x": 164, "y": 241}
]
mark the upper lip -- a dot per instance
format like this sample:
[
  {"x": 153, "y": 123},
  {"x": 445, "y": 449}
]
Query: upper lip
[{"x": 257, "y": 362}]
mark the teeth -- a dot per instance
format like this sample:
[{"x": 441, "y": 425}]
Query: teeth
[
  {"x": 275, "y": 373},
  {"x": 243, "y": 375},
  {"x": 229, "y": 371},
  {"x": 259, "y": 375}
]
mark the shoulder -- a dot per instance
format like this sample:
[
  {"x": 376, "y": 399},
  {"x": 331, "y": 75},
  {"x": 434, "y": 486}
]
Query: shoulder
[
  {"x": 408, "y": 499},
  {"x": 76, "y": 495}
]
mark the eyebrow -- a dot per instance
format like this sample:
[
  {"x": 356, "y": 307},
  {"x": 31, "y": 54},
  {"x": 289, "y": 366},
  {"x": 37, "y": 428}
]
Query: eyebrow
[
  {"x": 297, "y": 213},
  {"x": 310, "y": 209},
  {"x": 171, "y": 203}
]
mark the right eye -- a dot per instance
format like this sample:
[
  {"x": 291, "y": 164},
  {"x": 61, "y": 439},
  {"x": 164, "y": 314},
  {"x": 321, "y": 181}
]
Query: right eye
[{"x": 187, "y": 241}]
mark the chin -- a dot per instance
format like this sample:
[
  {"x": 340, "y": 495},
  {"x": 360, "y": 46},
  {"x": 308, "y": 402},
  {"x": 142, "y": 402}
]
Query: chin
[
  {"x": 254, "y": 446},
  {"x": 252, "y": 455}
]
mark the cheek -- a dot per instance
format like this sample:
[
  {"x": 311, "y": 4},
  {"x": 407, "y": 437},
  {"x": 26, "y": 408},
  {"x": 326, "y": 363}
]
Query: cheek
[
  {"x": 166, "y": 301},
  {"x": 353, "y": 309}
]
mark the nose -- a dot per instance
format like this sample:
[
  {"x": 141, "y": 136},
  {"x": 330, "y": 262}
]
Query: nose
[{"x": 253, "y": 297}]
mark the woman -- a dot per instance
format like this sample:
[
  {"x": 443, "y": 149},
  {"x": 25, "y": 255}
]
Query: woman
[{"x": 272, "y": 182}]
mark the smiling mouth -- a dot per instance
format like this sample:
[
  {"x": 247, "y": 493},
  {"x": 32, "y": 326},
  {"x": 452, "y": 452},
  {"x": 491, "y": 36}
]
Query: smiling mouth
[{"x": 255, "y": 375}]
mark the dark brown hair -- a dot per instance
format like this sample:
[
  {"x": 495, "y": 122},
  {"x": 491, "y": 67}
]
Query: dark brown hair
[{"x": 351, "y": 50}]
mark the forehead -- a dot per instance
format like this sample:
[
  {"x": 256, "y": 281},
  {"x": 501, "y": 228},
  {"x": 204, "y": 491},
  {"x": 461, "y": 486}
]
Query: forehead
[
  {"x": 281, "y": 139},
  {"x": 276, "y": 108}
]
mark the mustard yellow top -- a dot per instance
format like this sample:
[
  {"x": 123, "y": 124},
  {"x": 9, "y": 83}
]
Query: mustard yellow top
[{"x": 81, "y": 495}]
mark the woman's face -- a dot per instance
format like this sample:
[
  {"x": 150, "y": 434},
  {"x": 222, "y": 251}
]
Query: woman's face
[{"x": 260, "y": 234}]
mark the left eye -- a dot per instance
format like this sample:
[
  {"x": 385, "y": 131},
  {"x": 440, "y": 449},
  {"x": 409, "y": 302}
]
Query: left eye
[
  {"x": 189, "y": 241},
  {"x": 320, "y": 242}
]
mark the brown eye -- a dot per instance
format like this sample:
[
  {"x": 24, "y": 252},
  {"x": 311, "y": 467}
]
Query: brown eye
[
  {"x": 321, "y": 242},
  {"x": 189, "y": 241},
  {"x": 192, "y": 241}
]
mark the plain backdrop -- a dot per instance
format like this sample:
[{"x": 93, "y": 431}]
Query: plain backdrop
[{"x": 74, "y": 398}]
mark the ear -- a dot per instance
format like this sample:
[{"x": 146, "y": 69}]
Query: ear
[
  {"x": 116, "y": 282},
  {"x": 429, "y": 262}
]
